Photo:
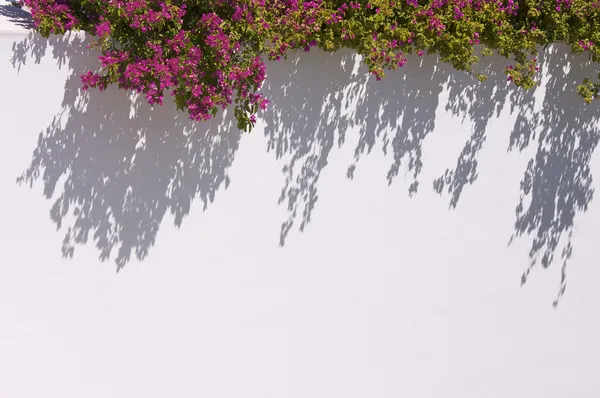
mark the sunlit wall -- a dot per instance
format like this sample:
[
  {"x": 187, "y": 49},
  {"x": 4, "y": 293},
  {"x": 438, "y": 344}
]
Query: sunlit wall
[{"x": 402, "y": 238}]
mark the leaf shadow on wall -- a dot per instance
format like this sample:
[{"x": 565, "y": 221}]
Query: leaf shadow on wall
[
  {"x": 398, "y": 114},
  {"x": 16, "y": 16},
  {"x": 124, "y": 165},
  {"x": 557, "y": 184}
]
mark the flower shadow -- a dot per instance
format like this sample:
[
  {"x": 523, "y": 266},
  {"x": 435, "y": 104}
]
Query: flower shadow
[
  {"x": 124, "y": 164},
  {"x": 310, "y": 119},
  {"x": 321, "y": 100},
  {"x": 16, "y": 16}
]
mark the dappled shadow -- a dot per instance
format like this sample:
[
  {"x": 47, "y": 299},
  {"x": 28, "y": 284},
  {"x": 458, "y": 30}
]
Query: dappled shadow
[
  {"x": 124, "y": 164},
  {"x": 480, "y": 104},
  {"x": 16, "y": 16},
  {"x": 557, "y": 184},
  {"x": 317, "y": 103},
  {"x": 305, "y": 122},
  {"x": 320, "y": 101}
]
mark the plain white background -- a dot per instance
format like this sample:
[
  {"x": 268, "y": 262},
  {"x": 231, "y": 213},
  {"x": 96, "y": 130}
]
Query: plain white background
[{"x": 386, "y": 292}]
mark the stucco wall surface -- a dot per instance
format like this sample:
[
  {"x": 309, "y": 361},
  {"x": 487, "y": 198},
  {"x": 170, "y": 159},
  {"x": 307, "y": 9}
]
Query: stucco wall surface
[{"x": 367, "y": 239}]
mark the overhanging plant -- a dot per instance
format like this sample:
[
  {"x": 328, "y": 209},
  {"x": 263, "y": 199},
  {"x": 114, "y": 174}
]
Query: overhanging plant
[{"x": 209, "y": 54}]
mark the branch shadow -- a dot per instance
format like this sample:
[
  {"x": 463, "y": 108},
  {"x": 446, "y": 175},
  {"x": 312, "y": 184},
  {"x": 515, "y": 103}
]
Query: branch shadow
[
  {"x": 123, "y": 165},
  {"x": 557, "y": 184},
  {"x": 310, "y": 119},
  {"x": 480, "y": 103},
  {"x": 16, "y": 16},
  {"x": 318, "y": 102}
]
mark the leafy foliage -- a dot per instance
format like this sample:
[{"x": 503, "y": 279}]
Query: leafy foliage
[{"x": 209, "y": 54}]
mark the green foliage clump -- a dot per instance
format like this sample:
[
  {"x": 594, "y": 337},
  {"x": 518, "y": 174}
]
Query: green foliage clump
[{"x": 209, "y": 54}]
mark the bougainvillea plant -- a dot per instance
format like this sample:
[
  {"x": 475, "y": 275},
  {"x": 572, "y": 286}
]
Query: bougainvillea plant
[{"x": 209, "y": 54}]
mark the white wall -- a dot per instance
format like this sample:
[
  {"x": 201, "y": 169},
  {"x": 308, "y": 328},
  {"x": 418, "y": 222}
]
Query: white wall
[{"x": 355, "y": 244}]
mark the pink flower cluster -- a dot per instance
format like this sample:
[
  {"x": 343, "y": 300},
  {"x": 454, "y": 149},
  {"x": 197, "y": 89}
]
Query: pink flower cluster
[
  {"x": 209, "y": 54},
  {"x": 59, "y": 15},
  {"x": 200, "y": 65},
  {"x": 586, "y": 45}
]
